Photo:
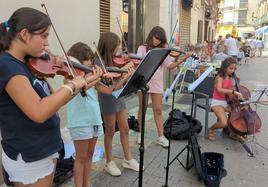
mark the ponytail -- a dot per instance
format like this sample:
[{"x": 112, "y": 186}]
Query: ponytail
[
  {"x": 3, "y": 36},
  {"x": 35, "y": 21}
]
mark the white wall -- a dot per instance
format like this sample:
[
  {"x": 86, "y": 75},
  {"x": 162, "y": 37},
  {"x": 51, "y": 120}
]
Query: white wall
[
  {"x": 116, "y": 12},
  {"x": 197, "y": 13},
  {"x": 74, "y": 21},
  {"x": 151, "y": 15}
]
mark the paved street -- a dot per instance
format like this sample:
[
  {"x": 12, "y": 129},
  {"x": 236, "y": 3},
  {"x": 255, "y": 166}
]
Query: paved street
[{"x": 243, "y": 171}]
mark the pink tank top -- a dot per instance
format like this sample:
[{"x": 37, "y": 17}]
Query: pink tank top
[{"x": 226, "y": 84}]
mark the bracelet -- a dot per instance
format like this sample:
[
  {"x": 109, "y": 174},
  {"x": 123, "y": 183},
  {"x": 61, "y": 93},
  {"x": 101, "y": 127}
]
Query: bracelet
[
  {"x": 68, "y": 88},
  {"x": 74, "y": 85}
]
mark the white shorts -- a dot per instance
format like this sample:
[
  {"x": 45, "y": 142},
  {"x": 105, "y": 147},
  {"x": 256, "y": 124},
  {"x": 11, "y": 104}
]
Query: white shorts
[
  {"x": 28, "y": 172},
  {"x": 217, "y": 102}
]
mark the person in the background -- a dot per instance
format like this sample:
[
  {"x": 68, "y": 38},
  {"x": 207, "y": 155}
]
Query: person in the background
[
  {"x": 221, "y": 54},
  {"x": 253, "y": 46},
  {"x": 157, "y": 39},
  {"x": 240, "y": 56},
  {"x": 231, "y": 46},
  {"x": 260, "y": 46}
]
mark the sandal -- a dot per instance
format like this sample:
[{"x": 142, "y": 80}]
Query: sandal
[
  {"x": 237, "y": 137},
  {"x": 211, "y": 135}
]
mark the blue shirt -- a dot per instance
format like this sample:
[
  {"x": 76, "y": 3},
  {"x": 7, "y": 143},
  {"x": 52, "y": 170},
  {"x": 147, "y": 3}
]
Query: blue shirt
[
  {"x": 84, "y": 111},
  {"x": 21, "y": 135}
]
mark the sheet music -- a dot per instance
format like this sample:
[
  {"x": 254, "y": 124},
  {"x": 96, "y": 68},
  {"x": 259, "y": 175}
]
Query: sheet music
[
  {"x": 116, "y": 93},
  {"x": 193, "y": 86},
  {"x": 169, "y": 90}
]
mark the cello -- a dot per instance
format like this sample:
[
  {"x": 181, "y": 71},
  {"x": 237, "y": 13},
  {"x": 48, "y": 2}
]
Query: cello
[{"x": 243, "y": 120}]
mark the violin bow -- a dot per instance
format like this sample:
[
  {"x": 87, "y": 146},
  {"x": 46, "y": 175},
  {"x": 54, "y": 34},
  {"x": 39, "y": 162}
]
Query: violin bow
[
  {"x": 100, "y": 58},
  {"x": 173, "y": 31},
  {"x": 69, "y": 64},
  {"x": 122, "y": 34}
]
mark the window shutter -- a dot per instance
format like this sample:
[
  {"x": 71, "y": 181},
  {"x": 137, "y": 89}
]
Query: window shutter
[{"x": 104, "y": 16}]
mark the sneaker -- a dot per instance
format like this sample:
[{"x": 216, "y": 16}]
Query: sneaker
[
  {"x": 139, "y": 138},
  {"x": 162, "y": 141},
  {"x": 112, "y": 169},
  {"x": 131, "y": 164}
]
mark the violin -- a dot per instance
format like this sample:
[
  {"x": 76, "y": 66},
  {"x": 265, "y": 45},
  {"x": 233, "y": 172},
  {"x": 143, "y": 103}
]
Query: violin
[
  {"x": 242, "y": 119},
  {"x": 47, "y": 66},
  {"x": 116, "y": 73},
  {"x": 121, "y": 60}
]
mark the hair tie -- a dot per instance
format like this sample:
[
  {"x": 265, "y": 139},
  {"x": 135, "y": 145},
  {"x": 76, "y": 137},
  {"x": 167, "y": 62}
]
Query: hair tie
[{"x": 6, "y": 24}]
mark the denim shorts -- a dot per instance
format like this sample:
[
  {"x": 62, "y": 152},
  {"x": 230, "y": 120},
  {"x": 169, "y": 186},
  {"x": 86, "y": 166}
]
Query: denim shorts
[{"x": 84, "y": 133}]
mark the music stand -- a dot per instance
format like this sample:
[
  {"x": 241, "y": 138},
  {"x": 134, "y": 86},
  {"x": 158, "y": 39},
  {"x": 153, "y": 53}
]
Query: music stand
[
  {"x": 254, "y": 140},
  {"x": 138, "y": 81},
  {"x": 192, "y": 141}
]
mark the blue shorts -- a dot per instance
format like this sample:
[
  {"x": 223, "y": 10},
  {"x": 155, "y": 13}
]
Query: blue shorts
[{"x": 84, "y": 133}]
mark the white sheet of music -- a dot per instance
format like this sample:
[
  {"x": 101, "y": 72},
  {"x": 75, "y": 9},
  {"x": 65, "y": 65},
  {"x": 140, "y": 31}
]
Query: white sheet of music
[{"x": 193, "y": 86}]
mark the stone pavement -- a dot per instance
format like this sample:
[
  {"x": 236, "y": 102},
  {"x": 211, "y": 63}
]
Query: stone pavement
[{"x": 243, "y": 171}]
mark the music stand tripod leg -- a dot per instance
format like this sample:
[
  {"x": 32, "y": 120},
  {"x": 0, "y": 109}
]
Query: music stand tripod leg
[
  {"x": 144, "y": 88},
  {"x": 187, "y": 166}
]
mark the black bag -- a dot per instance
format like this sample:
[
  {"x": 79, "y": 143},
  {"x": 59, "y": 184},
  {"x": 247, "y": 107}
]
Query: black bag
[
  {"x": 181, "y": 125},
  {"x": 213, "y": 168},
  {"x": 209, "y": 166},
  {"x": 132, "y": 123},
  {"x": 64, "y": 168}
]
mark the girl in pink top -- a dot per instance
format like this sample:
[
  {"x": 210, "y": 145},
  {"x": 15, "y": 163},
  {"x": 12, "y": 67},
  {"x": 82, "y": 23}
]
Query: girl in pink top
[
  {"x": 223, "y": 87},
  {"x": 157, "y": 39}
]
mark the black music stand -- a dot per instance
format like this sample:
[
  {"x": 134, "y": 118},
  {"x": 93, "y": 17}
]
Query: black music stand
[
  {"x": 138, "y": 81},
  {"x": 192, "y": 144},
  {"x": 249, "y": 149}
]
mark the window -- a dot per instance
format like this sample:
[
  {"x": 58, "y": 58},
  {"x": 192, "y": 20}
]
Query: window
[
  {"x": 104, "y": 16},
  {"x": 242, "y": 17}
]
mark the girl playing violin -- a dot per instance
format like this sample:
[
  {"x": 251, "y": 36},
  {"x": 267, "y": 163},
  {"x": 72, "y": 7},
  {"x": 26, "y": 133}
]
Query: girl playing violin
[
  {"x": 114, "y": 110},
  {"x": 30, "y": 127},
  {"x": 84, "y": 118},
  {"x": 157, "y": 39},
  {"x": 223, "y": 87}
]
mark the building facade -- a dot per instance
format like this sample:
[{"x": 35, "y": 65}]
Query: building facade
[
  {"x": 203, "y": 20},
  {"x": 235, "y": 18},
  {"x": 261, "y": 21}
]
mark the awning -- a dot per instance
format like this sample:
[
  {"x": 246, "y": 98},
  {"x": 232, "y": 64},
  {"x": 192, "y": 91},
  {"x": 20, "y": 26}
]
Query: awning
[{"x": 262, "y": 29}]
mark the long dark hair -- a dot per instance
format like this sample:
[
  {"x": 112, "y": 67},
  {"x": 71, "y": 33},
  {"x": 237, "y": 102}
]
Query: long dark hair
[
  {"x": 81, "y": 52},
  {"x": 108, "y": 42},
  {"x": 160, "y": 34},
  {"x": 35, "y": 21},
  {"x": 224, "y": 65}
]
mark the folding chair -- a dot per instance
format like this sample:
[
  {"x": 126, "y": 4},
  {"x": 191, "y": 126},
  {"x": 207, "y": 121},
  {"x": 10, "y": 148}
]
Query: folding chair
[{"x": 204, "y": 91}]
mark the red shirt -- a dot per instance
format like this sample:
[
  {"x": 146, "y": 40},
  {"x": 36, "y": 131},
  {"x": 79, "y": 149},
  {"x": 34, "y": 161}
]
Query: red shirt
[{"x": 226, "y": 84}]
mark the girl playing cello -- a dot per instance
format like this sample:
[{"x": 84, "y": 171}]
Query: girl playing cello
[{"x": 223, "y": 87}]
